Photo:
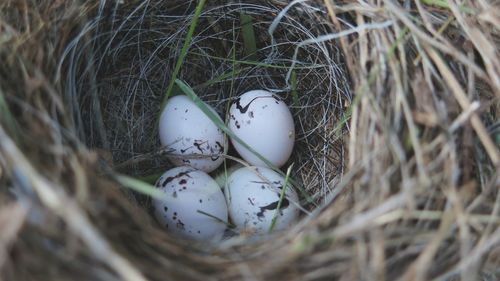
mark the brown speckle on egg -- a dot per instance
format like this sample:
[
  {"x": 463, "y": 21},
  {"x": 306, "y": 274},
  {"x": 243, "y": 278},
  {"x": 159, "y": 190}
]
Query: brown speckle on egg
[
  {"x": 180, "y": 224},
  {"x": 181, "y": 174},
  {"x": 178, "y": 128},
  {"x": 182, "y": 217},
  {"x": 197, "y": 144}
]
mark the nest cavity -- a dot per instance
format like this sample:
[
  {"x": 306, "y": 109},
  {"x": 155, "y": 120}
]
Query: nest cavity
[{"x": 122, "y": 65}]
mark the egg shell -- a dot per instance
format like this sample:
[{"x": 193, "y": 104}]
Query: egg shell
[
  {"x": 186, "y": 131},
  {"x": 264, "y": 122},
  {"x": 253, "y": 201},
  {"x": 186, "y": 192}
]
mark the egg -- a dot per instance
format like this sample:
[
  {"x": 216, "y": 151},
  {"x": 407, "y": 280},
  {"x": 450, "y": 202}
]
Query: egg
[
  {"x": 264, "y": 122},
  {"x": 253, "y": 200},
  {"x": 193, "y": 205},
  {"x": 190, "y": 137}
]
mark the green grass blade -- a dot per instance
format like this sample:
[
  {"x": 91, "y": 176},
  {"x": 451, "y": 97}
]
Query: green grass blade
[
  {"x": 150, "y": 190},
  {"x": 248, "y": 33},
  {"x": 229, "y": 225},
  {"x": 337, "y": 130},
  {"x": 283, "y": 65},
  {"x": 221, "y": 77},
  {"x": 282, "y": 196},
  {"x": 444, "y": 4},
  {"x": 139, "y": 186},
  {"x": 260, "y": 64},
  {"x": 184, "y": 51},
  {"x": 228, "y": 106},
  {"x": 215, "y": 118},
  {"x": 150, "y": 179},
  {"x": 220, "y": 124}
]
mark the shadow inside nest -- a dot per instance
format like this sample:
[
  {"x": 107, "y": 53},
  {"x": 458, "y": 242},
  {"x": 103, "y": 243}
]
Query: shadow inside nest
[{"x": 120, "y": 66}]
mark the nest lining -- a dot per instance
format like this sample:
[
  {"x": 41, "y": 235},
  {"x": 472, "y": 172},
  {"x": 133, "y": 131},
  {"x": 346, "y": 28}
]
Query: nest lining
[{"x": 134, "y": 53}]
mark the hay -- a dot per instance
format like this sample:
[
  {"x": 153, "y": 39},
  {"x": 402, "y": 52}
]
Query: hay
[{"x": 398, "y": 137}]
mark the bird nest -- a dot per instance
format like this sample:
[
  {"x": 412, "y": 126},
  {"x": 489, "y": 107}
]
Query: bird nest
[{"x": 396, "y": 112}]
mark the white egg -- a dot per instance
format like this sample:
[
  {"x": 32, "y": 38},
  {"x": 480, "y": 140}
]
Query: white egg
[
  {"x": 193, "y": 205},
  {"x": 191, "y": 138},
  {"x": 264, "y": 122},
  {"x": 253, "y": 201}
]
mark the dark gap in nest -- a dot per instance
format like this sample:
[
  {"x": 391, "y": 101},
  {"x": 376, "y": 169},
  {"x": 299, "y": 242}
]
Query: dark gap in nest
[{"x": 121, "y": 67}]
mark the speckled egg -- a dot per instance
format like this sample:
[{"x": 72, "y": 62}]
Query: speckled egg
[
  {"x": 193, "y": 205},
  {"x": 190, "y": 137},
  {"x": 253, "y": 200},
  {"x": 264, "y": 122}
]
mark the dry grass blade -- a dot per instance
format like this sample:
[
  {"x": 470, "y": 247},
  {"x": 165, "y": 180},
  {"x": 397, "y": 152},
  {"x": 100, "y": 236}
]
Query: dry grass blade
[
  {"x": 418, "y": 271},
  {"x": 12, "y": 219},
  {"x": 64, "y": 207},
  {"x": 462, "y": 99},
  {"x": 489, "y": 52}
]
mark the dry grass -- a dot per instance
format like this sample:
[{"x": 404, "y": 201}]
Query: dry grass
[{"x": 397, "y": 115}]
